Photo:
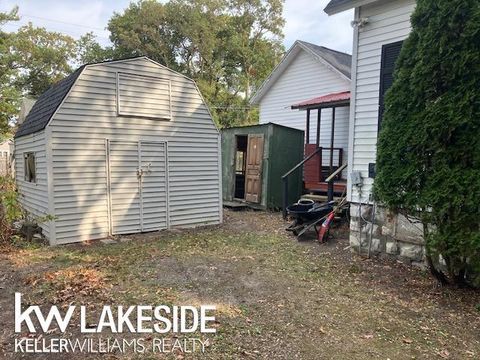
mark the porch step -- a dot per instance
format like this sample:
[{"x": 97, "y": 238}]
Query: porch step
[
  {"x": 338, "y": 187},
  {"x": 241, "y": 205},
  {"x": 319, "y": 198},
  {"x": 235, "y": 205}
]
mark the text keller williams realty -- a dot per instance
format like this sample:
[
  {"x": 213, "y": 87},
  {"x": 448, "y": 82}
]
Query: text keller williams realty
[{"x": 160, "y": 319}]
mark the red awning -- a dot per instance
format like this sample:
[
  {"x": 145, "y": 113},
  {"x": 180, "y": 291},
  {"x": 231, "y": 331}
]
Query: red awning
[{"x": 342, "y": 98}]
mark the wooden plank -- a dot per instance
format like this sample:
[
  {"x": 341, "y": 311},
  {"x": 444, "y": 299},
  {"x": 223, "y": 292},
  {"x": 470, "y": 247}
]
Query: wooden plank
[{"x": 323, "y": 187}]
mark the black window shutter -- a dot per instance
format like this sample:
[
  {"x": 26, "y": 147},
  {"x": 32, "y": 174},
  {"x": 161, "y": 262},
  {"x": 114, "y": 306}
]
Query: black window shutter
[{"x": 390, "y": 54}]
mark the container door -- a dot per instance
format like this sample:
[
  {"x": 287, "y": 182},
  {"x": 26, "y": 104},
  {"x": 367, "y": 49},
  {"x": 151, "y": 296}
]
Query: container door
[
  {"x": 253, "y": 176},
  {"x": 153, "y": 171},
  {"x": 124, "y": 187}
]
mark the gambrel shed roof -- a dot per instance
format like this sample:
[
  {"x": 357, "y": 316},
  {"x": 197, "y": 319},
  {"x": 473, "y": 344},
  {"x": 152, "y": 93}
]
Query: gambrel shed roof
[
  {"x": 46, "y": 105},
  {"x": 117, "y": 147}
]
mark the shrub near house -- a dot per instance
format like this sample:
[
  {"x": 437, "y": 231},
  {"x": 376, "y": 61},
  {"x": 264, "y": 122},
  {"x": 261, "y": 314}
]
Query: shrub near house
[{"x": 429, "y": 145}]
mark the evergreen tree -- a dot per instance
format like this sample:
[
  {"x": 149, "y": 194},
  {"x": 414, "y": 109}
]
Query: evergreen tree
[{"x": 428, "y": 155}]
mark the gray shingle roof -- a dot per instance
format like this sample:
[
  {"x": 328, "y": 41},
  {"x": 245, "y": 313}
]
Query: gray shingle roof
[
  {"x": 339, "y": 60},
  {"x": 46, "y": 105}
]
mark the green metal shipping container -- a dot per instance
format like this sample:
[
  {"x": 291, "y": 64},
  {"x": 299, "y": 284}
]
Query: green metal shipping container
[{"x": 254, "y": 158}]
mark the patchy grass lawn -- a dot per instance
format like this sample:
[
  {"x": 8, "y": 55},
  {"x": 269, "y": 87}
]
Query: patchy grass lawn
[{"x": 276, "y": 298}]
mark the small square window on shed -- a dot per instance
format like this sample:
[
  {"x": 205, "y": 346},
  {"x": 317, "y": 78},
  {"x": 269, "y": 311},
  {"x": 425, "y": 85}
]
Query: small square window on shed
[
  {"x": 143, "y": 96},
  {"x": 29, "y": 166}
]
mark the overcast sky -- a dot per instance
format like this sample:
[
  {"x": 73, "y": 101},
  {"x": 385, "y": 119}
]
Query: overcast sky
[{"x": 305, "y": 19}]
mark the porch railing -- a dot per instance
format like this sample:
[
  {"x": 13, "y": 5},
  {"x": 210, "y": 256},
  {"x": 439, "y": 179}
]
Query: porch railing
[
  {"x": 334, "y": 160},
  {"x": 290, "y": 172},
  {"x": 330, "y": 180}
]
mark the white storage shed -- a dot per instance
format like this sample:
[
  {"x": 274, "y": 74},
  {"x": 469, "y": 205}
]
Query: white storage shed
[{"x": 119, "y": 147}]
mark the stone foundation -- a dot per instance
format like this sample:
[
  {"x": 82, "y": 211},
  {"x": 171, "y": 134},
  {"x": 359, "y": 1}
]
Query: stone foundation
[{"x": 391, "y": 234}]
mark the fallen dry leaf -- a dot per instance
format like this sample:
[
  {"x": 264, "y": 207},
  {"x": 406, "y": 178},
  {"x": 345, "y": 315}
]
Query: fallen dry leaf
[{"x": 444, "y": 354}]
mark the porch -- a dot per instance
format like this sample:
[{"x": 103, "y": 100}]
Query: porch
[
  {"x": 326, "y": 134},
  {"x": 326, "y": 146}
]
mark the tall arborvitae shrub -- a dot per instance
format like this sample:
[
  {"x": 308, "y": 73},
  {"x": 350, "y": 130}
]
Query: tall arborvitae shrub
[{"x": 428, "y": 155}]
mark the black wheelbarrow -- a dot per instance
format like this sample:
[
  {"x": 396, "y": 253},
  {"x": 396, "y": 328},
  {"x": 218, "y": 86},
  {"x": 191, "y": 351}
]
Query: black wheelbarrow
[{"x": 306, "y": 215}]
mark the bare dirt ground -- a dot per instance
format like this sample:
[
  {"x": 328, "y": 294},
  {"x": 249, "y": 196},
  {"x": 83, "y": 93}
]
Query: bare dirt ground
[{"x": 276, "y": 298}]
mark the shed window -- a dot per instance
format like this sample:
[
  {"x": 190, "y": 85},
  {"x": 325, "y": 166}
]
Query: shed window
[
  {"x": 143, "y": 96},
  {"x": 390, "y": 53},
  {"x": 30, "y": 169}
]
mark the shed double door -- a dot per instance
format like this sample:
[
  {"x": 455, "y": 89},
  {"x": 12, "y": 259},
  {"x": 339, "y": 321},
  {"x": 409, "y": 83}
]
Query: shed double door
[
  {"x": 137, "y": 185},
  {"x": 253, "y": 173}
]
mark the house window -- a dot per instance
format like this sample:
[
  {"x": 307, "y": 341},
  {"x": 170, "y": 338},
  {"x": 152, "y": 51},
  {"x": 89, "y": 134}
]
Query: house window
[
  {"x": 29, "y": 165},
  {"x": 390, "y": 54},
  {"x": 143, "y": 96}
]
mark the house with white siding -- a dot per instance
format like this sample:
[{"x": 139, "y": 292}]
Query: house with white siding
[
  {"x": 380, "y": 26},
  {"x": 119, "y": 147},
  {"x": 308, "y": 72}
]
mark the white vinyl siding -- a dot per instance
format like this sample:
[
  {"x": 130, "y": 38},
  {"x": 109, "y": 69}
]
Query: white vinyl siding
[
  {"x": 303, "y": 79},
  {"x": 33, "y": 196},
  {"x": 388, "y": 22},
  {"x": 124, "y": 186},
  {"x": 137, "y": 203},
  {"x": 88, "y": 117},
  {"x": 154, "y": 186},
  {"x": 131, "y": 99}
]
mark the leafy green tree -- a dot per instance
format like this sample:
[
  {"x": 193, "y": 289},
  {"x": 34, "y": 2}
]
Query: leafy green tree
[
  {"x": 255, "y": 53},
  {"x": 12, "y": 15},
  {"x": 40, "y": 58},
  {"x": 142, "y": 30},
  {"x": 429, "y": 146},
  {"x": 33, "y": 59},
  {"x": 9, "y": 95},
  {"x": 227, "y": 46},
  {"x": 88, "y": 50}
]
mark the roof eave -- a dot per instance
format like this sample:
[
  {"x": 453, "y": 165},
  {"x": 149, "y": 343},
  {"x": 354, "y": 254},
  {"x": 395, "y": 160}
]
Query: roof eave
[
  {"x": 326, "y": 63},
  {"x": 338, "y": 103},
  {"x": 336, "y": 9}
]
